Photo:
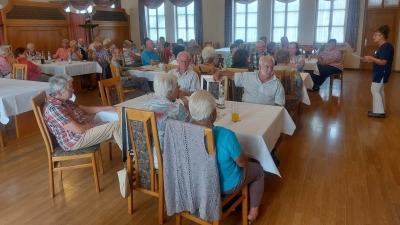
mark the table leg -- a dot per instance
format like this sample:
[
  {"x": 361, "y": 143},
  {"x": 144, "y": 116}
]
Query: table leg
[
  {"x": 26, "y": 124},
  {"x": 1, "y": 140},
  {"x": 77, "y": 83}
]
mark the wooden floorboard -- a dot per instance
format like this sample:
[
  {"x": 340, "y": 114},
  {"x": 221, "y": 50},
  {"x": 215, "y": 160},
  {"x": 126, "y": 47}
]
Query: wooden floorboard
[{"x": 339, "y": 167}]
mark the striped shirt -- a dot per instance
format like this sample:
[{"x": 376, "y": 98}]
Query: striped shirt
[{"x": 188, "y": 81}]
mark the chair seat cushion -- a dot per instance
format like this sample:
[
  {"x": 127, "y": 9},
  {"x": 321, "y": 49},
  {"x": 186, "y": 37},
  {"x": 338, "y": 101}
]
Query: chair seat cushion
[{"x": 58, "y": 151}]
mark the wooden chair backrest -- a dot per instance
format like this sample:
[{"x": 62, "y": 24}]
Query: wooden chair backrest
[
  {"x": 19, "y": 71},
  {"x": 37, "y": 106},
  {"x": 12, "y": 61},
  {"x": 110, "y": 88},
  {"x": 287, "y": 79},
  {"x": 237, "y": 70},
  {"x": 142, "y": 126},
  {"x": 168, "y": 67},
  {"x": 206, "y": 70},
  {"x": 114, "y": 71},
  {"x": 197, "y": 70},
  {"x": 224, "y": 81}
]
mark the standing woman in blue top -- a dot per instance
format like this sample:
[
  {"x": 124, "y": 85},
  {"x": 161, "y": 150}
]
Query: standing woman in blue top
[
  {"x": 149, "y": 53},
  {"x": 382, "y": 66}
]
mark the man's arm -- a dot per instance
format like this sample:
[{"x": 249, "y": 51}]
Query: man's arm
[
  {"x": 136, "y": 57},
  {"x": 78, "y": 128},
  {"x": 220, "y": 73}
]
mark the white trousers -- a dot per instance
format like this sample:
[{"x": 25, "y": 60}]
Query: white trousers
[{"x": 378, "y": 97}]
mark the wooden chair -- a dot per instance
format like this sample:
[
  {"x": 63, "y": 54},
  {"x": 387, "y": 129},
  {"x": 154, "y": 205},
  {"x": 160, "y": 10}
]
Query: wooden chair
[
  {"x": 12, "y": 61},
  {"x": 115, "y": 73},
  {"x": 206, "y": 70},
  {"x": 147, "y": 179},
  {"x": 231, "y": 83},
  {"x": 204, "y": 84},
  {"x": 20, "y": 71},
  {"x": 287, "y": 79},
  {"x": 234, "y": 200},
  {"x": 338, "y": 76},
  {"x": 56, "y": 154},
  {"x": 197, "y": 70},
  {"x": 168, "y": 67},
  {"x": 111, "y": 91}
]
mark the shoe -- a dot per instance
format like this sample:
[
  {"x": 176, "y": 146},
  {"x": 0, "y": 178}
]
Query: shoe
[
  {"x": 376, "y": 115},
  {"x": 314, "y": 88}
]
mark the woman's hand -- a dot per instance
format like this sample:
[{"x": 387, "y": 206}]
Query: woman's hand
[{"x": 368, "y": 58}]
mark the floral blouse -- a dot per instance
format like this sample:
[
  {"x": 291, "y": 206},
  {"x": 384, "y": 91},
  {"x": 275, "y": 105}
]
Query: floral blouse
[{"x": 299, "y": 60}]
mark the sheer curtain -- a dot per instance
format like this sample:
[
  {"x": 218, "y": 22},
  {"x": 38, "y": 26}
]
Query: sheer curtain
[
  {"x": 352, "y": 23},
  {"x": 228, "y": 22},
  {"x": 198, "y": 21}
]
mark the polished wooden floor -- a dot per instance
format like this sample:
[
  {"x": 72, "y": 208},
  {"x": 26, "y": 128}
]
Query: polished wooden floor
[{"x": 339, "y": 167}]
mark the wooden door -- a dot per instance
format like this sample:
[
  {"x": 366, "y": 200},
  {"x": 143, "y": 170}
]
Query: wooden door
[{"x": 375, "y": 18}]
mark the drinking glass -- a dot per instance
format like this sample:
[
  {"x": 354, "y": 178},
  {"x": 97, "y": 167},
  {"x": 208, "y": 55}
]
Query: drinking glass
[{"x": 235, "y": 112}]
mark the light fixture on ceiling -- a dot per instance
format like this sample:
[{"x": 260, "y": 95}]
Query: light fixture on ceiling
[{"x": 286, "y": 1}]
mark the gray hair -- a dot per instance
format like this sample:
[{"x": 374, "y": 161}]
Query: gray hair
[
  {"x": 208, "y": 53},
  {"x": 201, "y": 105},
  {"x": 29, "y": 45},
  {"x": 126, "y": 43},
  {"x": 164, "y": 83},
  {"x": 3, "y": 49},
  {"x": 282, "y": 56},
  {"x": 59, "y": 83},
  {"x": 180, "y": 54},
  {"x": 260, "y": 42},
  {"x": 97, "y": 44},
  {"x": 106, "y": 41},
  {"x": 73, "y": 42},
  {"x": 263, "y": 58}
]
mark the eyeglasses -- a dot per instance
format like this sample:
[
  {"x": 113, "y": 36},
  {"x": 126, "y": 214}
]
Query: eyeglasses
[{"x": 376, "y": 34}]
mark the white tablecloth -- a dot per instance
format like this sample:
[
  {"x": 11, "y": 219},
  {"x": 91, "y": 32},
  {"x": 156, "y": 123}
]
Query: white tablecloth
[
  {"x": 307, "y": 83},
  {"x": 223, "y": 51},
  {"x": 257, "y": 132},
  {"x": 148, "y": 74},
  {"x": 74, "y": 69},
  {"x": 311, "y": 65},
  {"x": 15, "y": 96}
]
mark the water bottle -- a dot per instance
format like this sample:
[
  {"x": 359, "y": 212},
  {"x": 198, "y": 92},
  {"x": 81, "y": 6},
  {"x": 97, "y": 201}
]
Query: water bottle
[
  {"x": 221, "y": 97},
  {"x": 70, "y": 57},
  {"x": 48, "y": 56},
  {"x": 42, "y": 58}
]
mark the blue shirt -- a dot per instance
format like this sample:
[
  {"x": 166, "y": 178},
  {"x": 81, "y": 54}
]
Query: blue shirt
[
  {"x": 228, "y": 148},
  {"x": 385, "y": 52},
  {"x": 147, "y": 56}
]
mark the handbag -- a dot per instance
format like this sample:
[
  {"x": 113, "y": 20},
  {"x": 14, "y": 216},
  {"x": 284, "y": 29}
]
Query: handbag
[{"x": 124, "y": 186}]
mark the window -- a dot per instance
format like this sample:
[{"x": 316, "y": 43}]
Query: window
[
  {"x": 286, "y": 20},
  {"x": 155, "y": 20},
  {"x": 245, "y": 21},
  {"x": 68, "y": 9},
  {"x": 88, "y": 10},
  {"x": 185, "y": 22},
  {"x": 330, "y": 21}
]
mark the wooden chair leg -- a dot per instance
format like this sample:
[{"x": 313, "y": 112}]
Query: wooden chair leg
[
  {"x": 178, "y": 219},
  {"x": 341, "y": 82},
  {"x": 60, "y": 172},
  {"x": 161, "y": 207},
  {"x": 100, "y": 161},
  {"x": 1, "y": 140},
  {"x": 110, "y": 151},
  {"x": 51, "y": 177},
  {"x": 130, "y": 202},
  {"x": 331, "y": 83},
  {"x": 96, "y": 177}
]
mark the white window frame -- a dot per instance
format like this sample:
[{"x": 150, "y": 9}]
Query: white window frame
[
  {"x": 285, "y": 26},
  {"x": 246, "y": 24},
  {"x": 147, "y": 15},
  {"x": 186, "y": 27},
  {"x": 330, "y": 23}
]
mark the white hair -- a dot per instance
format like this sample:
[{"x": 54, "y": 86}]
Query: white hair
[
  {"x": 260, "y": 42},
  {"x": 73, "y": 42},
  {"x": 208, "y": 53},
  {"x": 266, "y": 57},
  {"x": 106, "y": 41},
  {"x": 201, "y": 105},
  {"x": 59, "y": 83},
  {"x": 164, "y": 83},
  {"x": 3, "y": 49},
  {"x": 29, "y": 45},
  {"x": 97, "y": 44},
  {"x": 180, "y": 54}
]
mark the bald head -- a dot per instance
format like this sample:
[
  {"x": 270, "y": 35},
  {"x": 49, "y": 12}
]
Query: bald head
[{"x": 81, "y": 41}]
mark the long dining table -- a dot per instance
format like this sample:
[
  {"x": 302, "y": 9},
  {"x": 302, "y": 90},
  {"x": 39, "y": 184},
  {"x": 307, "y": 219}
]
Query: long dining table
[
  {"x": 258, "y": 130},
  {"x": 15, "y": 96},
  {"x": 75, "y": 68}
]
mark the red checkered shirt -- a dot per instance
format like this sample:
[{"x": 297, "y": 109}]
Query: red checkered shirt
[{"x": 57, "y": 114}]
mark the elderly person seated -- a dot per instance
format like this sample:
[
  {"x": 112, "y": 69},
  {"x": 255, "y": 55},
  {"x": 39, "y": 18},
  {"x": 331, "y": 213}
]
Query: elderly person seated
[
  {"x": 215, "y": 57},
  {"x": 33, "y": 70},
  {"x": 283, "y": 59},
  {"x": 108, "y": 46},
  {"x": 100, "y": 55},
  {"x": 66, "y": 120},
  {"x": 77, "y": 53},
  {"x": 165, "y": 107},
  {"x": 179, "y": 47},
  {"x": 5, "y": 68},
  {"x": 62, "y": 53},
  {"x": 167, "y": 50},
  {"x": 208, "y": 55},
  {"x": 32, "y": 53},
  {"x": 330, "y": 61},
  {"x": 91, "y": 46},
  {"x": 240, "y": 60},
  {"x": 228, "y": 59},
  {"x": 296, "y": 58},
  {"x": 82, "y": 44},
  {"x": 255, "y": 57},
  {"x": 149, "y": 54},
  {"x": 128, "y": 80},
  {"x": 187, "y": 78},
  {"x": 235, "y": 170},
  {"x": 160, "y": 43},
  {"x": 193, "y": 47},
  {"x": 132, "y": 59},
  {"x": 260, "y": 87}
]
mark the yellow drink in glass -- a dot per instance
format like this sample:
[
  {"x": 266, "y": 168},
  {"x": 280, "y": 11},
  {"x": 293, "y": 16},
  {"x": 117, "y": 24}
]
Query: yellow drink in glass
[{"x": 235, "y": 117}]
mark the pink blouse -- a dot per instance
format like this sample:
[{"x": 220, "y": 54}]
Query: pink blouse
[
  {"x": 5, "y": 67},
  {"x": 62, "y": 53}
]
